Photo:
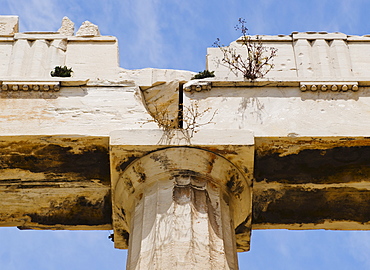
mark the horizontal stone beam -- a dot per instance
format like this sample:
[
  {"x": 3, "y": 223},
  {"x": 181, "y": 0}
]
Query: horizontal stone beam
[
  {"x": 63, "y": 182},
  {"x": 55, "y": 182},
  {"x": 312, "y": 183}
]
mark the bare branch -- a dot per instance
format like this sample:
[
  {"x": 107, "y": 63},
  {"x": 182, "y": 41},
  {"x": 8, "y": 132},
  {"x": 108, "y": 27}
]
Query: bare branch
[
  {"x": 258, "y": 61},
  {"x": 191, "y": 116}
]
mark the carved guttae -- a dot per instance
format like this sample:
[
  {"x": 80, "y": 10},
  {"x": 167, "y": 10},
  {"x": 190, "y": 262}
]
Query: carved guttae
[
  {"x": 30, "y": 86},
  {"x": 198, "y": 86},
  {"x": 328, "y": 86},
  {"x": 41, "y": 85}
]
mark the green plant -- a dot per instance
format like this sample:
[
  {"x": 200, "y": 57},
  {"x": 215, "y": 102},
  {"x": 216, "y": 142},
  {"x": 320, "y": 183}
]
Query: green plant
[
  {"x": 204, "y": 74},
  {"x": 60, "y": 71},
  {"x": 258, "y": 60}
]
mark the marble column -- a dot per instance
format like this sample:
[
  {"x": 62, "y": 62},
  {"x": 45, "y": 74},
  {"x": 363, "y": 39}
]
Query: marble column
[{"x": 178, "y": 206}]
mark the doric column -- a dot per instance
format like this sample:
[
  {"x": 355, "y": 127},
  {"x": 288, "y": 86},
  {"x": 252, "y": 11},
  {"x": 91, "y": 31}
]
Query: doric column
[{"x": 179, "y": 206}]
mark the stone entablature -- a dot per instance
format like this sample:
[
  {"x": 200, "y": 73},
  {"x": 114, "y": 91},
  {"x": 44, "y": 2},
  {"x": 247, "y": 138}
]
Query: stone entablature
[
  {"x": 286, "y": 151},
  {"x": 307, "y": 55},
  {"x": 35, "y": 54}
]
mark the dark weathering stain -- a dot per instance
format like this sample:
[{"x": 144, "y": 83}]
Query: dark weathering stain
[
  {"x": 124, "y": 235},
  {"x": 123, "y": 165},
  {"x": 163, "y": 159},
  {"x": 235, "y": 185},
  {"x": 91, "y": 162},
  {"x": 336, "y": 165},
  {"x": 298, "y": 205},
  {"x": 185, "y": 173},
  {"x": 77, "y": 212}
]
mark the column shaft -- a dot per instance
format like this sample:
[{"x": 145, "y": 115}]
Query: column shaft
[{"x": 182, "y": 224}]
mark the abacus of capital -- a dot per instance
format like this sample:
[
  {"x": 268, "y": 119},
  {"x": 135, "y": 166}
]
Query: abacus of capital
[{"x": 287, "y": 151}]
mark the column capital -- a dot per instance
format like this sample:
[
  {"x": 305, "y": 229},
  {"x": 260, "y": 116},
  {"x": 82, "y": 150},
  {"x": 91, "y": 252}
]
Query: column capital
[{"x": 135, "y": 167}]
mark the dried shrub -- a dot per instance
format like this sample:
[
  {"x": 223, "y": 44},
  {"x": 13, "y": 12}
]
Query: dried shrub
[
  {"x": 258, "y": 60},
  {"x": 192, "y": 115},
  {"x": 189, "y": 116}
]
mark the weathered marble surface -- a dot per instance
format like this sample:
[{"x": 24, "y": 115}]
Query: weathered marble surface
[
  {"x": 88, "y": 29},
  {"x": 299, "y": 138},
  {"x": 9, "y": 25},
  {"x": 306, "y": 55},
  {"x": 284, "y": 111},
  {"x": 179, "y": 207},
  {"x": 67, "y": 28}
]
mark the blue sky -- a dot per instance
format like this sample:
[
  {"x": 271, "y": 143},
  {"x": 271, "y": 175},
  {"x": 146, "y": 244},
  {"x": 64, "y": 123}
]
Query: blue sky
[{"x": 175, "y": 34}]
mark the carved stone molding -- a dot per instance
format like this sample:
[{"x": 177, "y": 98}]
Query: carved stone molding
[
  {"x": 198, "y": 86},
  {"x": 328, "y": 86},
  {"x": 10, "y": 85},
  {"x": 30, "y": 86}
]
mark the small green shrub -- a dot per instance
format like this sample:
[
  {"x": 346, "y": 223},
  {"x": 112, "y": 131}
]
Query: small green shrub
[
  {"x": 60, "y": 71},
  {"x": 204, "y": 74}
]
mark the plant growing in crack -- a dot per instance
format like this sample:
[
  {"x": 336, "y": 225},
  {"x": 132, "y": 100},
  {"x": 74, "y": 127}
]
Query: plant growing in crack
[
  {"x": 183, "y": 126},
  {"x": 258, "y": 60},
  {"x": 203, "y": 74}
]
